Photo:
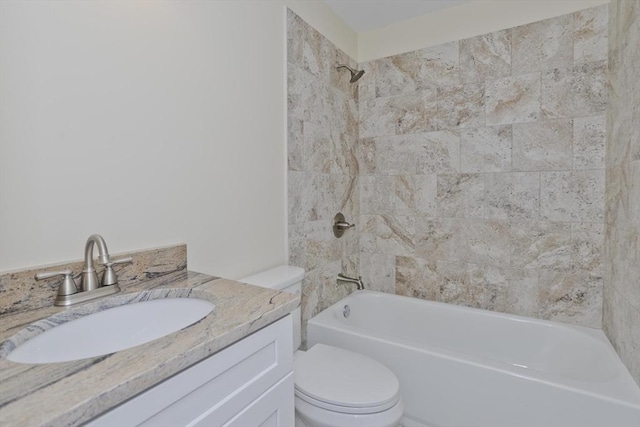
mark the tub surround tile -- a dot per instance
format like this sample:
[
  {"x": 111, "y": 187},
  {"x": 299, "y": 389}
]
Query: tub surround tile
[
  {"x": 590, "y": 41},
  {"x": 620, "y": 322},
  {"x": 378, "y": 272},
  {"x": 512, "y": 195},
  {"x": 486, "y": 57},
  {"x": 485, "y": 242},
  {"x": 587, "y": 241},
  {"x": 579, "y": 91},
  {"x": 513, "y": 99},
  {"x": 511, "y": 290},
  {"x": 460, "y": 106},
  {"x": 589, "y": 142},
  {"x": 543, "y": 145},
  {"x": 486, "y": 149},
  {"x": 417, "y": 278},
  {"x": 461, "y": 195},
  {"x": 391, "y": 235},
  {"x": 541, "y": 244},
  {"x": 571, "y": 296},
  {"x": 92, "y": 386},
  {"x": 543, "y": 45},
  {"x": 415, "y": 195},
  {"x": 460, "y": 283},
  {"x": 572, "y": 196},
  {"x": 377, "y": 194}
]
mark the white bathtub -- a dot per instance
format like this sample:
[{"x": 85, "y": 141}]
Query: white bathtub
[{"x": 460, "y": 366}]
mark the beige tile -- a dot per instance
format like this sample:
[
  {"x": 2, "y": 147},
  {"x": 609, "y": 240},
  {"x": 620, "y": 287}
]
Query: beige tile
[
  {"x": 415, "y": 194},
  {"x": 620, "y": 324},
  {"x": 424, "y": 153},
  {"x": 485, "y": 149},
  {"x": 512, "y": 99},
  {"x": 417, "y": 278},
  {"x": 541, "y": 244},
  {"x": 590, "y": 34},
  {"x": 589, "y": 142},
  {"x": 485, "y": 57},
  {"x": 438, "y": 238},
  {"x": 587, "y": 240},
  {"x": 512, "y": 195},
  {"x": 387, "y": 234},
  {"x": 510, "y": 290},
  {"x": 317, "y": 150},
  {"x": 461, "y": 106},
  {"x": 461, "y": 195},
  {"x": 542, "y": 45},
  {"x": 572, "y": 196},
  {"x": 485, "y": 242},
  {"x": 543, "y": 145},
  {"x": 573, "y": 296},
  {"x": 377, "y": 194},
  {"x": 378, "y": 272},
  {"x": 460, "y": 283},
  {"x": 580, "y": 91}
]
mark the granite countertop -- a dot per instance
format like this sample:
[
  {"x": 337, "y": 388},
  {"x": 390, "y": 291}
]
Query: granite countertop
[{"x": 71, "y": 393}]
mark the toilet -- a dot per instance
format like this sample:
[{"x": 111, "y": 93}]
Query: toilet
[{"x": 334, "y": 387}]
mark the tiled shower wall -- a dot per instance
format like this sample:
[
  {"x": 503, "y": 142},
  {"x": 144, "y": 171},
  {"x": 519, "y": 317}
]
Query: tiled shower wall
[
  {"x": 622, "y": 242},
  {"x": 322, "y": 164},
  {"x": 482, "y": 170}
]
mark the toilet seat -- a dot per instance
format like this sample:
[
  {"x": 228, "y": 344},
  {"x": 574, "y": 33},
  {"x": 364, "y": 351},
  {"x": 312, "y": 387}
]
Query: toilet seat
[{"x": 343, "y": 381}]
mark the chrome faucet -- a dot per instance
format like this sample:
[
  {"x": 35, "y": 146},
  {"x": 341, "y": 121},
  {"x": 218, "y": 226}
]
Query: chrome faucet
[
  {"x": 90, "y": 288},
  {"x": 342, "y": 278}
]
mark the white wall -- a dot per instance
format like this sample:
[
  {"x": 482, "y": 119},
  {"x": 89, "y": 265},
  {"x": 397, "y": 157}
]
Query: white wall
[
  {"x": 466, "y": 20},
  {"x": 150, "y": 123}
]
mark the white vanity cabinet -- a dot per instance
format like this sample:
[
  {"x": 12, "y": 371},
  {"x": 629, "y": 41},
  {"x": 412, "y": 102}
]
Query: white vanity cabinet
[{"x": 249, "y": 383}]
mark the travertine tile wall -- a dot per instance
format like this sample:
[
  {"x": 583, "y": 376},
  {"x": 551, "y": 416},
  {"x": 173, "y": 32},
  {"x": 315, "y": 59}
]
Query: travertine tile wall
[
  {"x": 482, "y": 170},
  {"x": 622, "y": 218},
  {"x": 322, "y": 164}
]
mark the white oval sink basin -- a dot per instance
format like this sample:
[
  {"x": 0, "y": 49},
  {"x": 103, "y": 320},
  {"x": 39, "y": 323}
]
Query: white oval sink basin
[{"x": 111, "y": 330}]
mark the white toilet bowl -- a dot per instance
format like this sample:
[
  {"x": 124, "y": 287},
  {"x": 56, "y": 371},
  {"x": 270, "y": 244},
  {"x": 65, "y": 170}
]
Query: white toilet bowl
[
  {"x": 335, "y": 387},
  {"x": 340, "y": 388}
]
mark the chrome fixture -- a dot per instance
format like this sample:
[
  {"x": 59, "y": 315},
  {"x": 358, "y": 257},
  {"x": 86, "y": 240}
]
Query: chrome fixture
[
  {"x": 340, "y": 225},
  {"x": 90, "y": 288},
  {"x": 355, "y": 74},
  {"x": 347, "y": 279}
]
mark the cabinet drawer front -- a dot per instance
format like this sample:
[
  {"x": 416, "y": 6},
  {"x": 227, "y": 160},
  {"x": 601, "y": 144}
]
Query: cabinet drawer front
[{"x": 216, "y": 388}]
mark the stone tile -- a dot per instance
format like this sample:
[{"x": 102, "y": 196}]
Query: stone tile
[
  {"x": 573, "y": 296},
  {"x": 572, "y": 196},
  {"x": 512, "y": 195},
  {"x": 623, "y": 259},
  {"x": 386, "y": 234},
  {"x": 297, "y": 237},
  {"x": 513, "y": 99},
  {"x": 317, "y": 150},
  {"x": 339, "y": 78},
  {"x": 485, "y": 57},
  {"x": 485, "y": 149},
  {"x": 321, "y": 247},
  {"x": 378, "y": 272},
  {"x": 461, "y": 195},
  {"x": 542, "y": 45},
  {"x": 307, "y": 96},
  {"x": 589, "y": 142},
  {"x": 415, "y": 194},
  {"x": 301, "y": 191},
  {"x": 460, "y": 283},
  {"x": 417, "y": 278},
  {"x": 623, "y": 196},
  {"x": 510, "y": 290},
  {"x": 411, "y": 113},
  {"x": 620, "y": 322},
  {"x": 485, "y": 242},
  {"x": 461, "y": 106},
  {"x": 440, "y": 64},
  {"x": 367, "y": 87},
  {"x": 541, "y": 244},
  {"x": 305, "y": 46},
  {"x": 398, "y": 75},
  {"x": 367, "y": 156},
  {"x": 587, "y": 240},
  {"x": 377, "y": 194},
  {"x": 438, "y": 238},
  {"x": 295, "y": 144},
  {"x": 423, "y": 153},
  {"x": 590, "y": 28},
  {"x": 543, "y": 145},
  {"x": 580, "y": 91}
]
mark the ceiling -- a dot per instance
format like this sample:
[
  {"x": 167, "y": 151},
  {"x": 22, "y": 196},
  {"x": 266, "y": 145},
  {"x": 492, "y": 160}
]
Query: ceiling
[{"x": 367, "y": 15}]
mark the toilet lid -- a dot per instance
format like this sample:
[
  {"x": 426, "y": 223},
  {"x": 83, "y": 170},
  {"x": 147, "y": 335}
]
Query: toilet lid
[{"x": 335, "y": 377}]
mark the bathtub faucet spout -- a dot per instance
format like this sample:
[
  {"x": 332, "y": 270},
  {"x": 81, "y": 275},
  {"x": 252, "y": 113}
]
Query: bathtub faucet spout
[{"x": 347, "y": 279}]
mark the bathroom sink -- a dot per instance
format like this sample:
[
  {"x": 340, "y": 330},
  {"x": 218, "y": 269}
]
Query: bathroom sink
[{"x": 111, "y": 330}]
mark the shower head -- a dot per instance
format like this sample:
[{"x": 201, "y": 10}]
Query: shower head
[{"x": 355, "y": 74}]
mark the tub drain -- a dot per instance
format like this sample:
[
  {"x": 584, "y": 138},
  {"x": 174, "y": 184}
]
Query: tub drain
[{"x": 346, "y": 311}]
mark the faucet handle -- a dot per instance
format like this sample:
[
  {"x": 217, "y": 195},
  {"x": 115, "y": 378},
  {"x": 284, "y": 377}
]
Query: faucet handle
[
  {"x": 68, "y": 285},
  {"x": 110, "y": 277}
]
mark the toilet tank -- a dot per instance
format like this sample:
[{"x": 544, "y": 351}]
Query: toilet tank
[{"x": 286, "y": 278}]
